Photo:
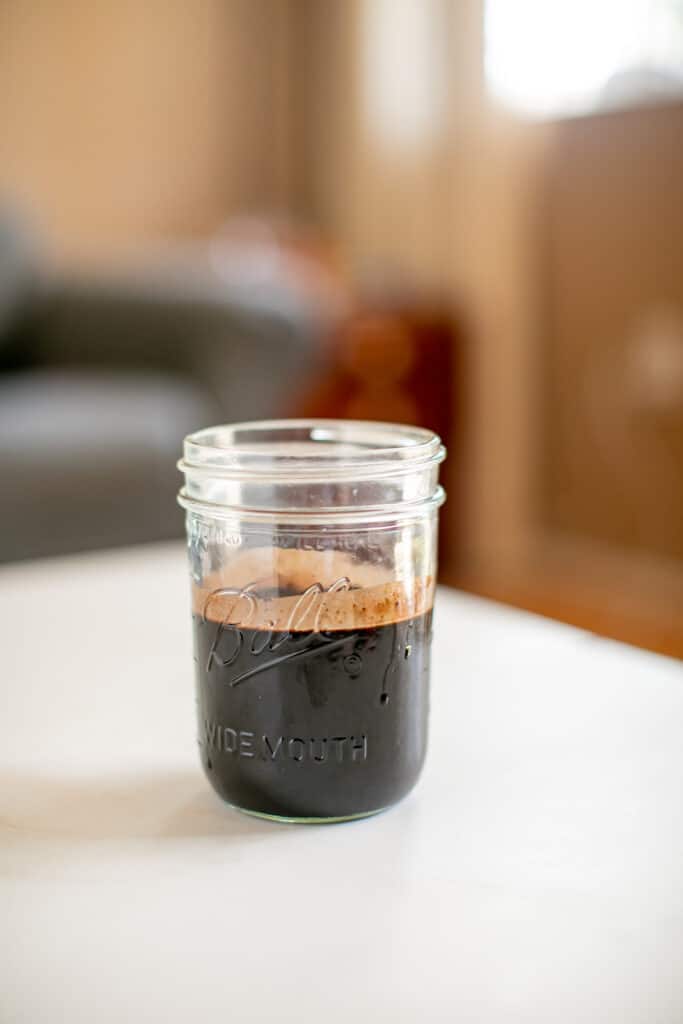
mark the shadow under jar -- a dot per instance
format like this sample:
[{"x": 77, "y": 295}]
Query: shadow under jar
[{"x": 312, "y": 548}]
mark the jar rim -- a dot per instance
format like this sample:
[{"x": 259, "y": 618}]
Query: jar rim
[{"x": 295, "y": 448}]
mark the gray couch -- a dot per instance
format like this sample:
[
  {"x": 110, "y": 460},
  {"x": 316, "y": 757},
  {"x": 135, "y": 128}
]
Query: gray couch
[{"x": 101, "y": 378}]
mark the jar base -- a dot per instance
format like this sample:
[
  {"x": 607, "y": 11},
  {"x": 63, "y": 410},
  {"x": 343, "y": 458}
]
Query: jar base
[{"x": 294, "y": 819}]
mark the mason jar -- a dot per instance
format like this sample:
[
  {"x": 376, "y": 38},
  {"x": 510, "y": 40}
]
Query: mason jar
[{"x": 312, "y": 551}]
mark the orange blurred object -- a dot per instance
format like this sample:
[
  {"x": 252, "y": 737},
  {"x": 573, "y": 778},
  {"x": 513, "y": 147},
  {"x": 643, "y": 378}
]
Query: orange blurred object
[
  {"x": 393, "y": 364},
  {"x": 397, "y": 361}
]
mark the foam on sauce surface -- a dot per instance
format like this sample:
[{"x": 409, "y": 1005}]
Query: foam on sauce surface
[{"x": 290, "y": 589}]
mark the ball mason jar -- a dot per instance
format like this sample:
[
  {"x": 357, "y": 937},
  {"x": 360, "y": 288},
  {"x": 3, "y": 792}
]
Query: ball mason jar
[{"x": 312, "y": 549}]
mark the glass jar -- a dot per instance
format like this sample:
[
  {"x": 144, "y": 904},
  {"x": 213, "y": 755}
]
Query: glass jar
[{"x": 312, "y": 547}]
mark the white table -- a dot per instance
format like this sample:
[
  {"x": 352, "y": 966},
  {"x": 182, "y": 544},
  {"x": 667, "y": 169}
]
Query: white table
[{"x": 536, "y": 873}]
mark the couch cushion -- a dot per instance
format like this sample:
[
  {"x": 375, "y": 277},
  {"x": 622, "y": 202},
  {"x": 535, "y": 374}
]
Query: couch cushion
[{"x": 88, "y": 460}]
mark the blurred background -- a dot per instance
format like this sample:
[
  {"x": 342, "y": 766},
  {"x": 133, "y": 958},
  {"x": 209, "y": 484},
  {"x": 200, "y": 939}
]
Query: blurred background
[{"x": 461, "y": 213}]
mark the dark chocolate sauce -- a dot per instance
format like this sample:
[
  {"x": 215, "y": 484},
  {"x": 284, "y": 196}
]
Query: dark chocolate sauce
[{"x": 313, "y": 724}]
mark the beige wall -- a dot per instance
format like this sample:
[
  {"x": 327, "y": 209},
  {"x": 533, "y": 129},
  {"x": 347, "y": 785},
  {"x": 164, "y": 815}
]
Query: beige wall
[
  {"x": 455, "y": 211},
  {"x": 495, "y": 160},
  {"x": 123, "y": 122},
  {"x": 382, "y": 199}
]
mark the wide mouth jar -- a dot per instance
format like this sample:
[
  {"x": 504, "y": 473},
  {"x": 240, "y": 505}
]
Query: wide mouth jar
[
  {"x": 322, "y": 470},
  {"x": 312, "y": 550}
]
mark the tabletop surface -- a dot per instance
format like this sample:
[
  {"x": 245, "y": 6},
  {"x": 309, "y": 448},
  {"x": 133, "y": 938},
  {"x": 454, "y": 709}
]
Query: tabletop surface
[{"x": 535, "y": 874}]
